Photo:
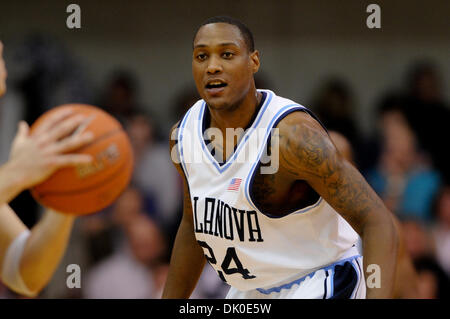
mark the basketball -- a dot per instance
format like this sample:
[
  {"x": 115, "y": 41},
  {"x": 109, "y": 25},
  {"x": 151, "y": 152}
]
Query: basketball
[{"x": 89, "y": 188}]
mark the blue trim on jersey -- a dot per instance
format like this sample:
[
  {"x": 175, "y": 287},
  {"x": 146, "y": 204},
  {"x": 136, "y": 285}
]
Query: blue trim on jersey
[
  {"x": 346, "y": 280},
  {"x": 358, "y": 274},
  {"x": 279, "y": 116},
  {"x": 180, "y": 144},
  {"x": 331, "y": 283},
  {"x": 227, "y": 164},
  {"x": 285, "y": 286},
  {"x": 298, "y": 281}
]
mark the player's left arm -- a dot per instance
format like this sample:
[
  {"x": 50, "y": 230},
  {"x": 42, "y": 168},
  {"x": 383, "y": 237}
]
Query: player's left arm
[{"x": 307, "y": 153}]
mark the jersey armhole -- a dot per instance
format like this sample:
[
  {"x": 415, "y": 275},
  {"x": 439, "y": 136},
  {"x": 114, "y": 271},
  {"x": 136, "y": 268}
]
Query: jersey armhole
[{"x": 257, "y": 164}]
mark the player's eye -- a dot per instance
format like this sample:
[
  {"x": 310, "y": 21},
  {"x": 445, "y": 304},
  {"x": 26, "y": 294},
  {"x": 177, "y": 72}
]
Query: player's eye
[
  {"x": 201, "y": 57},
  {"x": 227, "y": 55}
]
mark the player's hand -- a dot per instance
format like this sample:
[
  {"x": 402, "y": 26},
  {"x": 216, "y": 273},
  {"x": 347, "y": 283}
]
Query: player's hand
[{"x": 36, "y": 156}]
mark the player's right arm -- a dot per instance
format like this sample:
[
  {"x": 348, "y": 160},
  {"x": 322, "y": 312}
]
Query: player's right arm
[
  {"x": 29, "y": 258},
  {"x": 307, "y": 153},
  {"x": 405, "y": 285},
  {"x": 187, "y": 260}
]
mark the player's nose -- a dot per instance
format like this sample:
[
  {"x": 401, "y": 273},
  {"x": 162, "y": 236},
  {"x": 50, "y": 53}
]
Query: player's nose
[{"x": 214, "y": 65}]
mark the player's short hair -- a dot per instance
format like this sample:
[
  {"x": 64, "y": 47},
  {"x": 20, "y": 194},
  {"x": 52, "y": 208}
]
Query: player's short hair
[{"x": 245, "y": 31}]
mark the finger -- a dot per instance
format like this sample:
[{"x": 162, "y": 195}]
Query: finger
[
  {"x": 52, "y": 120},
  {"x": 22, "y": 130},
  {"x": 71, "y": 143},
  {"x": 70, "y": 160},
  {"x": 62, "y": 129}
]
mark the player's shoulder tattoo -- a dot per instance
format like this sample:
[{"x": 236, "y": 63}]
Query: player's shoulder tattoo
[{"x": 305, "y": 147}]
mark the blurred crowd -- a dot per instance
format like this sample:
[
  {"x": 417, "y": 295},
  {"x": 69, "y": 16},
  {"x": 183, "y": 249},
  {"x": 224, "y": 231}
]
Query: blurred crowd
[
  {"x": 124, "y": 251},
  {"x": 406, "y": 162}
]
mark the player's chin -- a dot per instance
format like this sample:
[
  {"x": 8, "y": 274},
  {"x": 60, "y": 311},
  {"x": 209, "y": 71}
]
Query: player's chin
[{"x": 217, "y": 104}]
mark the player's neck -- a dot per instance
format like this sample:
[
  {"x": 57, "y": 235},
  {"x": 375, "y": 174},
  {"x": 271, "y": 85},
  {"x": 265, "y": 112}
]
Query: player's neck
[{"x": 238, "y": 116}]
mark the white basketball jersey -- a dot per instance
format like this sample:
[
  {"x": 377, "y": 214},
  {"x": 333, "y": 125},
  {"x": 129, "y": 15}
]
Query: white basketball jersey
[{"x": 247, "y": 248}]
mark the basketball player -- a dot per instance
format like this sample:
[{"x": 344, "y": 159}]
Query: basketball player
[
  {"x": 288, "y": 234},
  {"x": 29, "y": 258}
]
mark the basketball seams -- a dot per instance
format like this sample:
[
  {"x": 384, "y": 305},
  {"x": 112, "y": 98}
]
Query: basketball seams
[
  {"x": 110, "y": 134},
  {"x": 43, "y": 197},
  {"x": 110, "y": 177},
  {"x": 100, "y": 138}
]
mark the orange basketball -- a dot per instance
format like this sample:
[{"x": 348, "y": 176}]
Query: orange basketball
[{"x": 87, "y": 189}]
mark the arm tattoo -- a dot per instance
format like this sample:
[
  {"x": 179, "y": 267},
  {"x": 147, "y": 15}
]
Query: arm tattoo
[{"x": 306, "y": 152}]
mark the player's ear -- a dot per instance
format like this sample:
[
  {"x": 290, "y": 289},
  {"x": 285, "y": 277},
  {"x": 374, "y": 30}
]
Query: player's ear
[{"x": 254, "y": 60}]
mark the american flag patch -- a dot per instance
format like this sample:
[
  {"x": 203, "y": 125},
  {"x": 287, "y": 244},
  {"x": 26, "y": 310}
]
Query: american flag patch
[{"x": 234, "y": 184}]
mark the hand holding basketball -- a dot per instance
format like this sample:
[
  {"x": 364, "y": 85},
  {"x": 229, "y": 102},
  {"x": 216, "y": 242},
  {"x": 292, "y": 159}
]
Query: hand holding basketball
[
  {"x": 76, "y": 185},
  {"x": 38, "y": 155}
]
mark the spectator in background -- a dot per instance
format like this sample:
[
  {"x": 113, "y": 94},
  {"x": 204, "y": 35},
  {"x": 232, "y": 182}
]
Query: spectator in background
[
  {"x": 334, "y": 107},
  {"x": 154, "y": 173},
  {"x": 46, "y": 75},
  {"x": 136, "y": 269},
  {"x": 441, "y": 230},
  {"x": 334, "y": 104},
  {"x": 185, "y": 98},
  {"x": 103, "y": 232},
  {"x": 432, "y": 281},
  {"x": 128, "y": 207},
  {"x": 428, "y": 114},
  {"x": 119, "y": 98},
  {"x": 98, "y": 235},
  {"x": 417, "y": 239},
  {"x": 160, "y": 272},
  {"x": 403, "y": 178},
  {"x": 95, "y": 238}
]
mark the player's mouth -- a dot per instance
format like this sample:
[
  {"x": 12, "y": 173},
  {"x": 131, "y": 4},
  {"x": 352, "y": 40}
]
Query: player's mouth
[{"x": 215, "y": 87}]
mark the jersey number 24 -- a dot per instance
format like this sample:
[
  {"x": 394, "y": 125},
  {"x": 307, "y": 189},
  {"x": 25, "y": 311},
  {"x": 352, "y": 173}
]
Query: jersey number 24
[{"x": 229, "y": 257}]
